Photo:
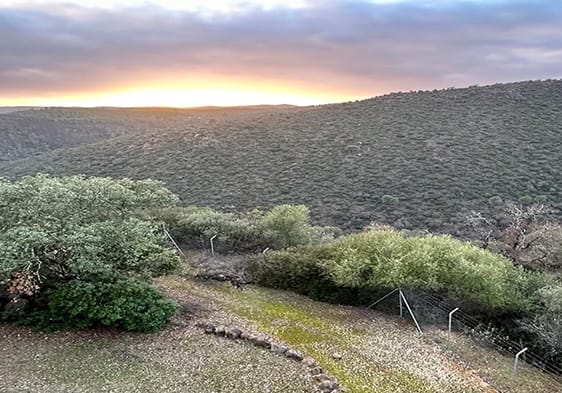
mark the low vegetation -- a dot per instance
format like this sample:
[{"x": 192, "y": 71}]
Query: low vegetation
[
  {"x": 358, "y": 268},
  {"x": 281, "y": 227},
  {"x": 387, "y": 259}
]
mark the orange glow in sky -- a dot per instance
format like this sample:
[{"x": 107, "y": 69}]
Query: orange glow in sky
[
  {"x": 188, "y": 94},
  {"x": 189, "y": 53}
]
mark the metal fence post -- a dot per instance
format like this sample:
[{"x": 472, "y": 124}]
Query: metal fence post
[
  {"x": 213, "y": 246},
  {"x": 517, "y": 359},
  {"x": 451, "y": 321},
  {"x": 400, "y": 302},
  {"x": 172, "y": 240},
  {"x": 410, "y": 311}
]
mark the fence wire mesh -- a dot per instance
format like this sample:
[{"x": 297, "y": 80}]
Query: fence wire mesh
[{"x": 467, "y": 323}]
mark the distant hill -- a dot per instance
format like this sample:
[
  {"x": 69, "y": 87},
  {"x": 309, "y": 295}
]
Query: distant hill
[
  {"x": 415, "y": 160},
  {"x": 11, "y": 109}
]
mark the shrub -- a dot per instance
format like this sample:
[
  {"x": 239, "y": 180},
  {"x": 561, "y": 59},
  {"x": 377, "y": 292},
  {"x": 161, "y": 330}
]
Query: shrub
[
  {"x": 549, "y": 317},
  {"x": 390, "y": 199},
  {"x": 287, "y": 226},
  {"x": 374, "y": 260},
  {"x": 194, "y": 226},
  {"x": 298, "y": 270},
  {"x": 295, "y": 269},
  {"x": 124, "y": 303},
  {"x": 526, "y": 199},
  {"x": 543, "y": 331},
  {"x": 439, "y": 263},
  {"x": 284, "y": 226},
  {"x": 60, "y": 235}
]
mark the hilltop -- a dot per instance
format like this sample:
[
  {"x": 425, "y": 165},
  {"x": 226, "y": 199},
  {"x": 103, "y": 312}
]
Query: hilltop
[{"x": 414, "y": 160}]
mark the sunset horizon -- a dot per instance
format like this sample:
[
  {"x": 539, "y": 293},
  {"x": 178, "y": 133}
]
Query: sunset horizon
[{"x": 188, "y": 54}]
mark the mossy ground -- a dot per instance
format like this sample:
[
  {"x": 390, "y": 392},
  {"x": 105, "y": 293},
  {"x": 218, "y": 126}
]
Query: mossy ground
[{"x": 379, "y": 353}]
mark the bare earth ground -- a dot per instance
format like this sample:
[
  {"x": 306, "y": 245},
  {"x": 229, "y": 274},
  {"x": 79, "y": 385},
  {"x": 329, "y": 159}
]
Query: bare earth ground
[
  {"x": 179, "y": 359},
  {"x": 378, "y": 353}
]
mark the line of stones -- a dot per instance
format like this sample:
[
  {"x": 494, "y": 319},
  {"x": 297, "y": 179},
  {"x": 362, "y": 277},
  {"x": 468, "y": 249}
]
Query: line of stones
[{"x": 326, "y": 383}]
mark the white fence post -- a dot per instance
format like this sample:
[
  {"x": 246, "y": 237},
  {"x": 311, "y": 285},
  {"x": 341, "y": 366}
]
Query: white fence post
[
  {"x": 400, "y": 302},
  {"x": 451, "y": 321},
  {"x": 213, "y": 246},
  {"x": 410, "y": 311},
  {"x": 517, "y": 359},
  {"x": 172, "y": 240}
]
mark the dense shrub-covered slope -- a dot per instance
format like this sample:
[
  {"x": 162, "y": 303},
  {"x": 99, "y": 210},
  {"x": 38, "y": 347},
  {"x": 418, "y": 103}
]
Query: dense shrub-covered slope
[{"x": 417, "y": 159}]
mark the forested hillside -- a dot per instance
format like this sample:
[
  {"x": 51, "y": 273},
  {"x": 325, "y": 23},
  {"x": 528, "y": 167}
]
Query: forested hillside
[{"x": 414, "y": 160}]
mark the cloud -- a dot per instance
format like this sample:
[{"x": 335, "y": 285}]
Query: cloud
[{"x": 362, "y": 47}]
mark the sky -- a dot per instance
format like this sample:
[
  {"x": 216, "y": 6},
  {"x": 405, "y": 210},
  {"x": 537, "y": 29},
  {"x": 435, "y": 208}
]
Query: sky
[{"x": 248, "y": 52}]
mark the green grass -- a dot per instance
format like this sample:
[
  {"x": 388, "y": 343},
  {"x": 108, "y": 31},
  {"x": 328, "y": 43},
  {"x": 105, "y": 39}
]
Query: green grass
[{"x": 379, "y": 354}]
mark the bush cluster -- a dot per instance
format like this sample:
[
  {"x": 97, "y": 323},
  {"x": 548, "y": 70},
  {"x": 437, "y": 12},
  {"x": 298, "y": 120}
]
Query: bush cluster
[
  {"x": 373, "y": 260},
  {"x": 124, "y": 303},
  {"x": 281, "y": 227},
  {"x": 74, "y": 253}
]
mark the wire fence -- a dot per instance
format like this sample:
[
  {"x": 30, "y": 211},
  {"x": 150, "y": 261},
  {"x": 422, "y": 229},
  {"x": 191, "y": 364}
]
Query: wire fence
[{"x": 489, "y": 334}]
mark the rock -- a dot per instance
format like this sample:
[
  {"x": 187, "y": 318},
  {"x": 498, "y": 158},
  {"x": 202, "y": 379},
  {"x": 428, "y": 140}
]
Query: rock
[
  {"x": 328, "y": 386},
  {"x": 244, "y": 335},
  {"x": 309, "y": 362},
  {"x": 316, "y": 371},
  {"x": 233, "y": 334},
  {"x": 322, "y": 377},
  {"x": 337, "y": 356},
  {"x": 262, "y": 342},
  {"x": 280, "y": 349},
  {"x": 209, "y": 328},
  {"x": 295, "y": 355},
  {"x": 220, "y": 331}
]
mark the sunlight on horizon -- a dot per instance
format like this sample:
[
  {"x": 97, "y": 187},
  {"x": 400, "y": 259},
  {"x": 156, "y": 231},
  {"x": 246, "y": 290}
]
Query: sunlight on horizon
[{"x": 180, "y": 98}]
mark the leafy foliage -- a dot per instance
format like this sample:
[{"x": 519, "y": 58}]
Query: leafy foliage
[
  {"x": 288, "y": 226},
  {"x": 54, "y": 231},
  {"x": 284, "y": 226},
  {"x": 379, "y": 259},
  {"x": 125, "y": 303}
]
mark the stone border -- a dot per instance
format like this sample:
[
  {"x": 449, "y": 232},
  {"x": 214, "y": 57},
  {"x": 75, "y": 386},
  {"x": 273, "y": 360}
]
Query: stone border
[{"x": 325, "y": 383}]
